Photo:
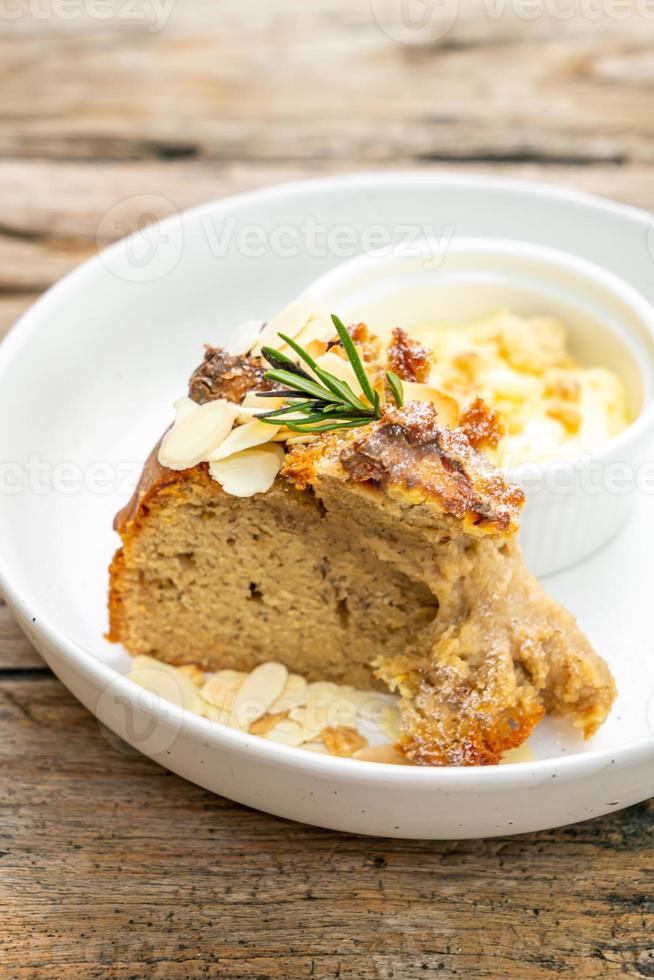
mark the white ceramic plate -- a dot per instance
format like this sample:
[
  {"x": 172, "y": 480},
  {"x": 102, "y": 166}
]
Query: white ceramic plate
[{"x": 86, "y": 382}]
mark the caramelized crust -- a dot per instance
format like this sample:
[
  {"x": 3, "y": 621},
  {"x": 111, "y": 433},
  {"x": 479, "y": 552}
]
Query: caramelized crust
[
  {"x": 367, "y": 343},
  {"x": 408, "y": 452},
  {"x": 223, "y": 375},
  {"x": 407, "y": 358},
  {"x": 481, "y": 425}
]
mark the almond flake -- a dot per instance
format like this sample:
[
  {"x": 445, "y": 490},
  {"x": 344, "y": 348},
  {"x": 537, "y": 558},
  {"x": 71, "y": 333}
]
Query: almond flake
[
  {"x": 377, "y": 711},
  {"x": 447, "y": 407},
  {"x": 253, "y": 404},
  {"x": 244, "y": 437},
  {"x": 286, "y": 732},
  {"x": 184, "y": 406},
  {"x": 196, "y": 434},
  {"x": 294, "y": 440},
  {"x": 388, "y": 754},
  {"x": 220, "y": 690},
  {"x": 252, "y": 471},
  {"x": 167, "y": 682},
  {"x": 341, "y": 369},
  {"x": 259, "y": 690},
  {"x": 293, "y": 695},
  {"x": 391, "y": 723},
  {"x": 290, "y": 321},
  {"x": 314, "y": 716},
  {"x": 194, "y": 673},
  {"x": 343, "y": 741},
  {"x": 342, "y": 712},
  {"x": 316, "y": 334},
  {"x": 268, "y": 721},
  {"x": 244, "y": 338}
]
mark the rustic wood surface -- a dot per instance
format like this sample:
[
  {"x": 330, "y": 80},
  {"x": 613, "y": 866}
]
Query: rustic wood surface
[{"x": 110, "y": 866}]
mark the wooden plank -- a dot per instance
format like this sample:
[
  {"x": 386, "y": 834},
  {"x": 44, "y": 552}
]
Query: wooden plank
[
  {"x": 112, "y": 867},
  {"x": 56, "y": 214},
  {"x": 278, "y": 81},
  {"x": 16, "y": 651}
]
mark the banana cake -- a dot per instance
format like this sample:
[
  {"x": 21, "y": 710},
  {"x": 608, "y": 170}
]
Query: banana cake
[{"x": 373, "y": 546}]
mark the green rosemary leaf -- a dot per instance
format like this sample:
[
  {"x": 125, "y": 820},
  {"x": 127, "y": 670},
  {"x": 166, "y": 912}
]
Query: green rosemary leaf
[
  {"x": 337, "y": 387},
  {"x": 281, "y": 361},
  {"x": 288, "y": 410},
  {"x": 293, "y": 381},
  {"x": 397, "y": 388},
  {"x": 355, "y": 360},
  {"x": 284, "y": 393},
  {"x": 341, "y": 389},
  {"x": 300, "y": 351},
  {"x": 326, "y": 404}
]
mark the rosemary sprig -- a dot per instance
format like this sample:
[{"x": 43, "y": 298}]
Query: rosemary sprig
[{"x": 322, "y": 402}]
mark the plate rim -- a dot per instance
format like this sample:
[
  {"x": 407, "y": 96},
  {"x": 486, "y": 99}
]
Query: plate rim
[{"x": 521, "y": 774}]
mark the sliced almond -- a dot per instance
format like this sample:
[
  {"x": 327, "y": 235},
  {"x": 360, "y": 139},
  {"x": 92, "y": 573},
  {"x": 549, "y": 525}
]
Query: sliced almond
[
  {"x": 196, "y": 434},
  {"x": 290, "y": 321},
  {"x": 388, "y": 754},
  {"x": 447, "y": 407},
  {"x": 391, "y": 723},
  {"x": 253, "y": 404},
  {"x": 378, "y": 713},
  {"x": 341, "y": 369},
  {"x": 168, "y": 682},
  {"x": 267, "y": 722},
  {"x": 286, "y": 732},
  {"x": 244, "y": 337},
  {"x": 342, "y": 712},
  {"x": 193, "y": 673},
  {"x": 293, "y": 695},
  {"x": 184, "y": 406},
  {"x": 220, "y": 690},
  {"x": 249, "y": 472},
  {"x": 294, "y": 440},
  {"x": 244, "y": 437},
  {"x": 314, "y": 716},
  {"x": 343, "y": 740},
  {"x": 259, "y": 690},
  {"x": 316, "y": 334}
]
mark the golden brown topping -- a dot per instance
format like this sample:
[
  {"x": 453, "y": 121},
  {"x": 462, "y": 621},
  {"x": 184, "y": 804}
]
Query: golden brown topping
[
  {"x": 366, "y": 341},
  {"x": 562, "y": 384},
  {"x": 408, "y": 451},
  {"x": 482, "y": 425},
  {"x": 409, "y": 359},
  {"x": 565, "y": 413},
  {"x": 343, "y": 740},
  {"x": 223, "y": 375}
]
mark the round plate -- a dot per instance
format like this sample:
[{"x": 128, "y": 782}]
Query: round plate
[{"x": 86, "y": 383}]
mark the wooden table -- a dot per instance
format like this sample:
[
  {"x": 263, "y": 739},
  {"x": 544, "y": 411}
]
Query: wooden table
[{"x": 110, "y": 866}]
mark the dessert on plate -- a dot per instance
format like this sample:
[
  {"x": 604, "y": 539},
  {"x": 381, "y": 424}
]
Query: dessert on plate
[{"x": 319, "y": 504}]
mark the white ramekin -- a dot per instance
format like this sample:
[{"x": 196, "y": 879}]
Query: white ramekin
[{"x": 574, "y": 505}]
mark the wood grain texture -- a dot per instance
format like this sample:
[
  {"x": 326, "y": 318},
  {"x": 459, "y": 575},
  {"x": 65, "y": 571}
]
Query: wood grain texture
[
  {"x": 281, "y": 80},
  {"x": 110, "y": 866}
]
